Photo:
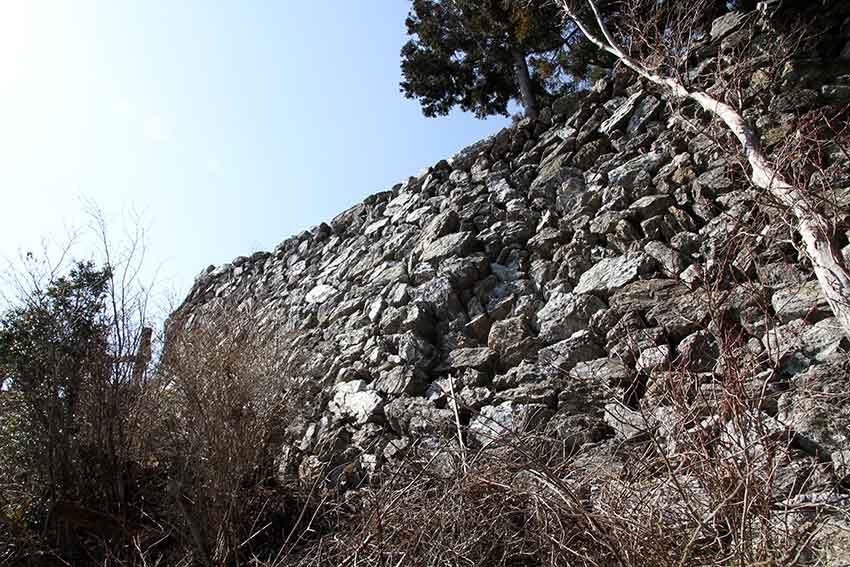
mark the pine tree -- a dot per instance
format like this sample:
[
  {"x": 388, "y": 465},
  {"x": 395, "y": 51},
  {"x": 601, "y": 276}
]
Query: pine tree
[{"x": 479, "y": 55}]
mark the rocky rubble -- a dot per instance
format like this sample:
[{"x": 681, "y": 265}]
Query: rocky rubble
[{"x": 550, "y": 278}]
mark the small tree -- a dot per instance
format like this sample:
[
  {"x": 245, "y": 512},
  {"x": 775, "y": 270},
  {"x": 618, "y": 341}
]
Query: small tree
[
  {"x": 51, "y": 348},
  {"x": 658, "y": 51},
  {"x": 74, "y": 348}
]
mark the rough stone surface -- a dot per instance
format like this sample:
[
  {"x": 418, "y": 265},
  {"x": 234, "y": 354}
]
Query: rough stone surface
[
  {"x": 612, "y": 273},
  {"x": 564, "y": 314},
  {"x": 557, "y": 277},
  {"x": 800, "y": 301},
  {"x": 354, "y": 400}
]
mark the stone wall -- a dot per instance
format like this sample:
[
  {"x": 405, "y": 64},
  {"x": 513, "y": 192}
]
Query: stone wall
[{"x": 553, "y": 276}]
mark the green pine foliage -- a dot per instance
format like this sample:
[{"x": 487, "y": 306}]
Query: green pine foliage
[{"x": 460, "y": 53}]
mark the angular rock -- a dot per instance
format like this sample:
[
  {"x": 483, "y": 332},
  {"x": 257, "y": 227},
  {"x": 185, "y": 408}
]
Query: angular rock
[
  {"x": 458, "y": 244},
  {"x": 650, "y": 206},
  {"x": 612, "y": 273},
  {"x": 628, "y": 424},
  {"x": 478, "y": 358},
  {"x": 418, "y": 416},
  {"x": 603, "y": 370},
  {"x": 799, "y": 302},
  {"x": 356, "y": 401},
  {"x": 726, "y": 24},
  {"x": 401, "y": 380},
  {"x": 822, "y": 342},
  {"x": 645, "y": 294},
  {"x": 817, "y": 407},
  {"x": 550, "y": 177},
  {"x": 670, "y": 261},
  {"x": 511, "y": 338},
  {"x": 320, "y": 294},
  {"x": 494, "y": 423},
  {"x": 625, "y": 175},
  {"x": 564, "y": 355},
  {"x": 564, "y": 314},
  {"x": 644, "y": 112},
  {"x": 682, "y": 315},
  {"x": 692, "y": 276},
  {"x": 698, "y": 352},
  {"x": 652, "y": 358},
  {"x": 621, "y": 115}
]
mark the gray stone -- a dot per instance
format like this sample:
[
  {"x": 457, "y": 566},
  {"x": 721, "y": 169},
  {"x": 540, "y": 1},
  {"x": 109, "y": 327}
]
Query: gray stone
[
  {"x": 458, "y": 244},
  {"x": 836, "y": 92},
  {"x": 822, "y": 342},
  {"x": 644, "y": 112},
  {"x": 511, "y": 339},
  {"x": 472, "y": 398},
  {"x": 682, "y": 314},
  {"x": 355, "y": 401},
  {"x": 817, "y": 407},
  {"x": 621, "y": 115},
  {"x": 654, "y": 357},
  {"x": 418, "y": 416},
  {"x": 550, "y": 177},
  {"x": 625, "y": 175},
  {"x": 545, "y": 241},
  {"x": 478, "y": 358},
  {"x": 320, "y": 294},
  {"x": 804, "y": 301},
  {"x": 632, "y": 342},
  {"x": 698, "y": 352},
  {"x": 670, "y": 261},
  {"x": 714, "y": 182},
  {"x": 606, "y": 221},
  {"x": 590, "y": 129},
  {"x": 796, "y": 100},
  {"x": 612, "y": 273},
  {"x": 564, "y": 355},
  {"x": 628, "y": 424},
  {"x": 564, "y": 314},
  {"x": 726, "y": 24},
  {"x": 687, "y": 242},
  {"x": 522, "y": 373},
  {"x": 414, "y": 350},
  {"x": 603, "y": 370},
  {"x": 587, "y": 155},
  {"x": 780, "y": 274},
  {"x": 464, "y": 272},
  {"x": 645, "y": 294},
  {"x": 692, "y": 276},
  {"x": 440, "y": 297},
  {"x": 401, "y": 380},
  {"x": 494, "y": 423},
  {"x": 841, "y": 463},
  {"x": 650, "y": 206},
  {"x": 396, "y": 449},
  {"x": 443, "y": 224}
]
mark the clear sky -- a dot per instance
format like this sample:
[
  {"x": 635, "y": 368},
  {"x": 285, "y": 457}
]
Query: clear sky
[{"x": 228, "y": 125}]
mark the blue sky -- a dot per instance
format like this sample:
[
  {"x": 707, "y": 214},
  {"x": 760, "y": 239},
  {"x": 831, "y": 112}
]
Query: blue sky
[{"x": 227, "y": 125}]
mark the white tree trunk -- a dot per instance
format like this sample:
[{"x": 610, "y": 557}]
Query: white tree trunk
[{"x": 828, "y": 264}]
